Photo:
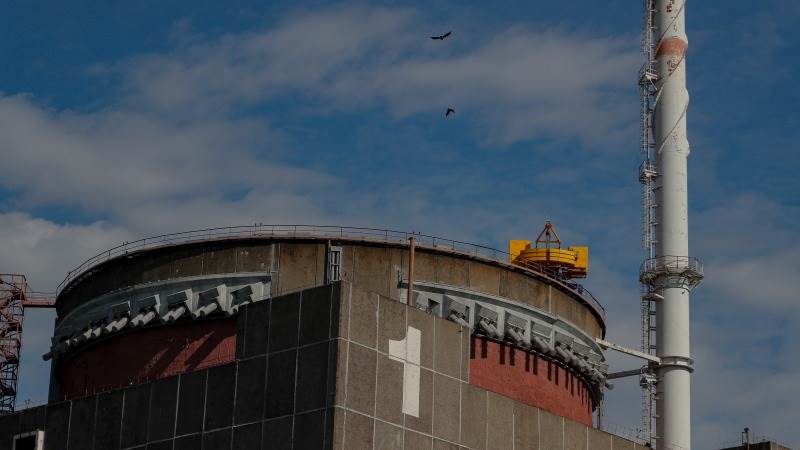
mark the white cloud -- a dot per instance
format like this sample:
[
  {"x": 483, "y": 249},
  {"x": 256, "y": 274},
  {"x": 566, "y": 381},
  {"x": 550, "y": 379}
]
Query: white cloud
[{"x": 518, "y": 84}]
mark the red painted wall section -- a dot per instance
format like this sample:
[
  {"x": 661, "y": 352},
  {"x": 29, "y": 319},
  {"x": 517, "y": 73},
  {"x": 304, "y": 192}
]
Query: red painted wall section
[
  {"x": 523, "y": 376},
  {"x": 147, "y": 354}
]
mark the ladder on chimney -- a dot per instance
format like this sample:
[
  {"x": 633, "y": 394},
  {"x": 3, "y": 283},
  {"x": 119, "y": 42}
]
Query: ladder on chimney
[{"x": 648, "y": 172}]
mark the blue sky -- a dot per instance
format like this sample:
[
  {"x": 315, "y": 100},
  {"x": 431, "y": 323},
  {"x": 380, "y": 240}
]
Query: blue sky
[{"x": 124, "y": 119}]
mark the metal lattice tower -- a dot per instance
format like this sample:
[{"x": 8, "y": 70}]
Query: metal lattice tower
[
  {"x": 648, "y": 171},
  {"x": 13, "y": 290}
]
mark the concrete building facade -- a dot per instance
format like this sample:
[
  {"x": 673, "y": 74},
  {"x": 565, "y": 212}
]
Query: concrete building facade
[{"x": 330, "y": 367}]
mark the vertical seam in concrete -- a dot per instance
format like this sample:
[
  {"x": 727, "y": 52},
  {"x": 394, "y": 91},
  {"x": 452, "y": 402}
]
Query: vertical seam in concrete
[
  {"x": 513, "y": 428},
  {"x": 235, "y": 384},
  {"x": 205, "y": 400},
  {"x": 538, "y": 429},
  {"x": 273, "y": 268},
  {"x": 433, "y": 372},
  {"x": 94, "y": 419},
  {"x": 460, "y": 382},
  {"x": 122, "y": 417},
  {"x": 375, "y": 388},
  {"x": 346, "y": 365},
  {"x": 327, "y": 381},
  {"x": 177, "y": 402},
  {"x": 406, "y": 328},
  {"x": 296, "y": 365},
  {"x": 587, "y": 439},
  {"x": 486, "y": 409}
]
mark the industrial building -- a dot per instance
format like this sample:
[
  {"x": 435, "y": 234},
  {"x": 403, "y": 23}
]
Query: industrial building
[{"x": 306, "y": 335}]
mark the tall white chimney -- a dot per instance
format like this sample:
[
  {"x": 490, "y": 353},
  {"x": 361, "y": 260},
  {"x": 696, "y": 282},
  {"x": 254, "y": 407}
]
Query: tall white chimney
[{"x": 670, "y": 274}]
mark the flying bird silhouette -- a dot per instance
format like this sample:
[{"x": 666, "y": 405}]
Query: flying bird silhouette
[
  {"x": 441, "y": 36},
  {"x": 449, "y": 111}
]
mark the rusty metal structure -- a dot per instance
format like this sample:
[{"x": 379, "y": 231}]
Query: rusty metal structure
[
  {"x": 15, "y": 296},
  {"x": 12, "y": 296}
]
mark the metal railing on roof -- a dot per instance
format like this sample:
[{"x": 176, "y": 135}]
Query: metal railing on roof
[{"x": 330, "y": 232}]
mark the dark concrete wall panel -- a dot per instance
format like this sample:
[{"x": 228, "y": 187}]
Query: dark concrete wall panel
[
  {"x": 218, "y": 439},
  {"x": 309, "y": 430},
  {"x": 277, "y": 434},
  {"x": 279, "y": 398},
  {"x": 255, "y": 337},
  {"x": 315, "y": 315},
  {"x": 312, "y": 375},
  {"x": 189, "y": 442},
  {"x": 136, "y": 408},
  {"x": 81, "y": 424},
  {"x": 57, "y": 426},
  {"x": 283, "y": 322},
  {"x": 247, "y": 437},
  {"x": 109, "y": 418},
  {"x": 191, "y": 402},
  {"x": 163, "y": 445},
  {"x": 163, "y": 402},
  {"x": 251, "y": 377},
  {"x": 220, "y": 388},
  {"x": 32, "y": 419}
]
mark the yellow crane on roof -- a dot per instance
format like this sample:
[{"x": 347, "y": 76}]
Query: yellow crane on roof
[{"x": 572, "y": 262}]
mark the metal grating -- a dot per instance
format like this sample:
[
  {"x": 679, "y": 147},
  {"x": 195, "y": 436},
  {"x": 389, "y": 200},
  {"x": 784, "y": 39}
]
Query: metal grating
[
  {"x": 12, "y": 296},
  {"x": 648, "y": 172}
]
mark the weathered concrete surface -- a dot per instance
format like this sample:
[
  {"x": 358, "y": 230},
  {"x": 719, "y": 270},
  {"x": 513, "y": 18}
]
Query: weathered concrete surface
[{"x": 299, "y": 264}]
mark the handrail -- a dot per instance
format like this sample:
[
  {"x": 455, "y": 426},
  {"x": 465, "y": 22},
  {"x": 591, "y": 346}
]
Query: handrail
[{"x": 322, "y": 231}]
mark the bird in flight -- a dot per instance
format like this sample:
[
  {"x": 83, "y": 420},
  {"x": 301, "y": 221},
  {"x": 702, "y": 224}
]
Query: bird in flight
[
  {"x": 449, "y": 111},
  {"x": 441, "y": 36}
]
